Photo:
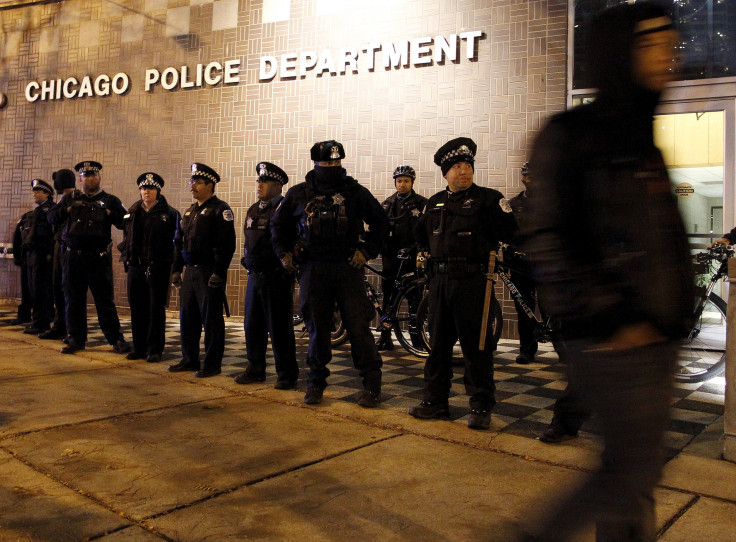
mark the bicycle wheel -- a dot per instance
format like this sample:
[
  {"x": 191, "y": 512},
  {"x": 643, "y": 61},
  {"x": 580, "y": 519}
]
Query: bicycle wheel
[
  {"x": 404, "y": 315},
  {"x": 703, "y": 354},
  {"x": 495, "y": 321},
  {"x": 338, "y": 334}
]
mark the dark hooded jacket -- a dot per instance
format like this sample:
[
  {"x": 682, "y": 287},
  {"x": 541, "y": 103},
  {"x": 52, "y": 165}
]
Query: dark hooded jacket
[{"x": 602, "y": 226}]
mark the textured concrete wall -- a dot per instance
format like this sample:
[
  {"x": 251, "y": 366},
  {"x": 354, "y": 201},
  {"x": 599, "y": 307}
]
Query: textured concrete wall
[{"x": 383, "y": 117}]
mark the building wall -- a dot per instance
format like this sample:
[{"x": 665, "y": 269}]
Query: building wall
[{"x": 384, "y": 117}]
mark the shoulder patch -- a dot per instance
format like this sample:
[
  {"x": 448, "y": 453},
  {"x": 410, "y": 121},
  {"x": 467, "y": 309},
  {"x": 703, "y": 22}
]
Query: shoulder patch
[
  {"x": 504, "y": 204},
  {"x": 227, "y": 215}
]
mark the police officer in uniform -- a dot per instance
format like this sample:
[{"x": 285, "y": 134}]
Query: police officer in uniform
[
  {"x": 64, "y": 182},
  {"x": 38, "y": 246},
  {"x": 26, "y": 304},
  {"x": 403, "y": 208},
  {"x": 205, "y": 243},
  {"x": 460, "y": 226},
  {"x": 523, "y": 279},
  {"x": 147, "y": 250},
  {"x": 320, "y": 225},
  {"x": 86, "y": 217},
  {"x": 270, "y": 291}
]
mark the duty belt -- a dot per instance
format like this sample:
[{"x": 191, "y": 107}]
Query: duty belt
[
  {"x": 457, "y": 266},
  {"x": 87, "y": 253}
]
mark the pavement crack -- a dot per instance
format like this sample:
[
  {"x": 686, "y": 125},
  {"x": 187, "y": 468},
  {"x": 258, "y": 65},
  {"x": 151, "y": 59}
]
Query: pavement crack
[{"x": 678, "y": 515}]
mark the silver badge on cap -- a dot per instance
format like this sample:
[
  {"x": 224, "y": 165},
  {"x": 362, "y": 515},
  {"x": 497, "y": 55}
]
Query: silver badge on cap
[
  {"x": 262, "y": 169},
  {"x": 334, "y": 153}
]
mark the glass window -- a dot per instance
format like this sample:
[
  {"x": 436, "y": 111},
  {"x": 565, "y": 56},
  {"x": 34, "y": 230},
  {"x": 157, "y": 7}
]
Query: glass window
[{"x": 707, "y": 30}]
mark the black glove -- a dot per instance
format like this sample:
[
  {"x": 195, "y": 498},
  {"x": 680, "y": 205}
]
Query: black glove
[{"x": 216, "y": 281}]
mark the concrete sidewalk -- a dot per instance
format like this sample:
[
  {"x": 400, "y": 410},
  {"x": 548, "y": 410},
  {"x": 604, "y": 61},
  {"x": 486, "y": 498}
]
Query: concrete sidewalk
[{"x": 95, "y": 447}]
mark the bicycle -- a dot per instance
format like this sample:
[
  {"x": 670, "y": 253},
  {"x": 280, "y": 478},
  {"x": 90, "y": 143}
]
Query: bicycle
[
  {"x": 702, "y": 354},
  {"x": 543, "y": 330},
  {"x": 401, "y": 316}
]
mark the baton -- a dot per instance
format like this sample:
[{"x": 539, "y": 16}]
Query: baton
[{"x": 490, "y": 280}]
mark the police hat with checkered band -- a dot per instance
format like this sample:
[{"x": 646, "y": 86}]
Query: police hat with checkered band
[
  {"x": 149, "y": 179},
  {"x": 271, "y": 172},
  {"x": 460, "y": 149},
  {"x": 39, "y": 184},
  {"x": 88, "y": 167},
  {"x": 206, "y": 173},
  {"x": 326, "y": 151}
]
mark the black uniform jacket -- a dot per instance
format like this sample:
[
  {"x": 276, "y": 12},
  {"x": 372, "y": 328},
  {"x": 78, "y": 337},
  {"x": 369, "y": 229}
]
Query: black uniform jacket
[
  {"x": 403, "y": 215},
  {"x": 258, "y": 250},
  {"x": 87, "y": 224},
  {"x": 289, "y": 223},
  {"x": 465, "y": 225},
  {"x": 206, "y": 236},
  {"x": 39, "y": 237},
  {"x": 156, "y": 242}
]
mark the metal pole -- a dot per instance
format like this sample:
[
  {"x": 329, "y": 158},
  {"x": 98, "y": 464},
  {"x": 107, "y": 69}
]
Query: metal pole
[{"x": 729, "y": 417}]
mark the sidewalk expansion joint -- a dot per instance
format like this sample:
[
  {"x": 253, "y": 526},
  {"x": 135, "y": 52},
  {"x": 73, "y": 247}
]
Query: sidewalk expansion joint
[
  {"x": 678, "y": 515},
  {"x": 267, "y": 477}
]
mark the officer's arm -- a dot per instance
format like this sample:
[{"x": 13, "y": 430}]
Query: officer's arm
[
  {"x": 178, "y": 264},
  {"x": 58, "y": 213},
  {"x": 283, "y": 227},
  {"x": 420, "y": 232},
  {"x": 117, "y": 212},
  {"x": 225, "y": 241},
  {"x": 375, "y": 216}
]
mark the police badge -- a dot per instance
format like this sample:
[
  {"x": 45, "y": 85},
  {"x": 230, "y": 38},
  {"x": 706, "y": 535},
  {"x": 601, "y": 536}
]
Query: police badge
[
  {"x": 505, "y": 206},
  {"x": 334, "y": 153}
]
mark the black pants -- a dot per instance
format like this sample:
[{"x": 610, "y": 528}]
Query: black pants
[
  {"x": 58, "y": 289},
  {"x": 201, "y": 306},
  {"x": 524, "y": 283},
  {"x": 456, "y": 312},
  {"x": 148, "y": 288},
  {"x": 268, "y": 311},
  {"x": 26, "y": 301},
  {"x": 629, "y": 392},
  {"x": 39, "y": 269},
  {"x": 93, "y": 272},
  {"x": 321, "y": 285}
]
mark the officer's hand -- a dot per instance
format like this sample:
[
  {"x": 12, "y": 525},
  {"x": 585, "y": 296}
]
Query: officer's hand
[
  {"x": 358, "y": 260},
  {"x": 288, "y": 263},
  {"x": 216, "y": 281},
  {"x": 422, "y": 261},
  {"x": 176, "y": 279}
]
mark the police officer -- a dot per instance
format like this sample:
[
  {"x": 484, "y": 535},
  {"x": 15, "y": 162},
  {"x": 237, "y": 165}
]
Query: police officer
[
  {"x": 205, "y": 243},
  {"x": 270, "y": 291},
  {"x": 23, "y": 315},
  {"x": 522, "y": 276},
  {"x": 460, "y": 226},
  {"x": 64, "y": 182},
  {"x": 403, "y": 208},
  {"x": 147, "y": 251},
  {"x": 320, "y": 225},
  {"x": 38, "y": 247},
  {"x": 86, "y": 217}
]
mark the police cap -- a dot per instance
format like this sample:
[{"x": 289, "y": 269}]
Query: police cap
[
  {"x": 38, "y": 184},
  {"x": 460, "y": 149},
  {"x": 63, "y": 179},
  {"x": 202, "y": 171},
  {"x": 88, "y": 167},
  {"x": 325, "y": 151},
  {"x": 149, "y": 179},
  {"x": 271, "y": 172}
]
